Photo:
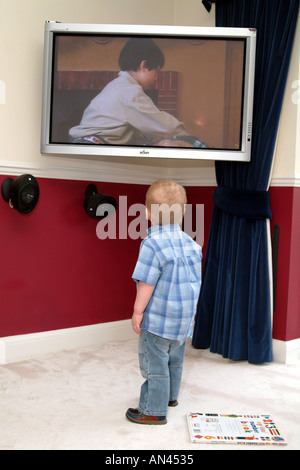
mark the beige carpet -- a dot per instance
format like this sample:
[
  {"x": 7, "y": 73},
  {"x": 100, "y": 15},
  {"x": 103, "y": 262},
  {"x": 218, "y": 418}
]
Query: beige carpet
[{"x": 78, "y": 399}]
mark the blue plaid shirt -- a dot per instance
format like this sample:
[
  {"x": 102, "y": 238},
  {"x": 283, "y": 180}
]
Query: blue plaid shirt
[{"x": 171, "y": 261}]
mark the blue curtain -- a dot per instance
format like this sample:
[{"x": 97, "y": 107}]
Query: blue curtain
[{"x": 234, "y": 309}]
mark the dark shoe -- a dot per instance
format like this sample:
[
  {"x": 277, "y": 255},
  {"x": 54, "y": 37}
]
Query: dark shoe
[
  {"x": 134, "y": 415},
  {"x": 173, "y": 403}
]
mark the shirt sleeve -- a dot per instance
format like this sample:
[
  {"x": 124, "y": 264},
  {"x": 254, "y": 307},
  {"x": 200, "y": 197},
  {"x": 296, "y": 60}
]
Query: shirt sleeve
[
  {"x": 144, "y": 115},
  {"x": 147, "y": 268}
]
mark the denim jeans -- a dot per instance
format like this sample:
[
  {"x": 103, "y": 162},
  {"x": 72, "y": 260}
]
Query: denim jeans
[{"x": 161, "y": 362}]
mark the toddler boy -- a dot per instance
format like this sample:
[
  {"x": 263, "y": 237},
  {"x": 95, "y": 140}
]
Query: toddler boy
[{"x": 168, "y": 276}]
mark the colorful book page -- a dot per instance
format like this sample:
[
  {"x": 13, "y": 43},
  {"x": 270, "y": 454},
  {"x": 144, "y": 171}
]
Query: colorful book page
[{"x": 233, "y": 429}]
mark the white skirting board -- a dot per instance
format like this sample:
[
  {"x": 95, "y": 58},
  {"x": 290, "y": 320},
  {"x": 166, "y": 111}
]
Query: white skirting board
[
  {"x": 287, "y": 352},
  {"x": 22, "y": 347}
]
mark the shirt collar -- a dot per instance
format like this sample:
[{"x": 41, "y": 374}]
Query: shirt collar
[
  {"x": 126, "y": 76},
  {"x": 163, "y": 228}
]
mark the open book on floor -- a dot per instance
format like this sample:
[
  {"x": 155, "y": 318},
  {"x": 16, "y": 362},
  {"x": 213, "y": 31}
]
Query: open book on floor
[{"x": 233, "y": 429}]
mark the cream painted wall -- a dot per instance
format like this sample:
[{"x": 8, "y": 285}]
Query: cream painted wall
[
  {"x": 286, "y": 170},
  {"x": 21, "y": 64},
  {"x": 21, "y": 59}
]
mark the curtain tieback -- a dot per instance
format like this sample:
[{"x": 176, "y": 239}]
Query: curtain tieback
[{"x": 246, "y": 204}]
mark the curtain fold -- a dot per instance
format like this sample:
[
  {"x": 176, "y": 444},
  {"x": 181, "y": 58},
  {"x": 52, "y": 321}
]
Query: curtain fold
[{"x": 234, "y": 309}]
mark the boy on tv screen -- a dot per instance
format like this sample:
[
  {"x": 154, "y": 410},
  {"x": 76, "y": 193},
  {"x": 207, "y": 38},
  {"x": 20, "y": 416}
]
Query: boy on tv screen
[{"x": 122, "y": 113}]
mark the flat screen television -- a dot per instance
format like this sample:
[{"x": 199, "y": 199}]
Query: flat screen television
[{"x": 175, "y": 92}]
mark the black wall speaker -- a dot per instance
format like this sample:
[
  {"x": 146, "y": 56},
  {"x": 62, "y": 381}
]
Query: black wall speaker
[
  {"x": 21, "y": 193},
  {"x": 97, "y": 205}
]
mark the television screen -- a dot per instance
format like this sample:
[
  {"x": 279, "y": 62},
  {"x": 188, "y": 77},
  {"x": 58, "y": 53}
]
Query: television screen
[{"x": 167, "y": 92}]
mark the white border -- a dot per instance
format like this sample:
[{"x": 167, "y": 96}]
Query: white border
[
  {"x": 287, "y": 352},
  {"x": 202, "y": 175},
  {"x": 114, "y": 173},
  {"x": 21, "y": 347}
]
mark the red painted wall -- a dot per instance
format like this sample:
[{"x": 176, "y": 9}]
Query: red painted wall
[
  {"x": 285, "y": 204},
  {"x": 55, "y": 272}
]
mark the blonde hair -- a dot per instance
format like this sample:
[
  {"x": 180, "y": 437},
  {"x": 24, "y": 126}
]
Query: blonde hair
[{"x": 165, "y": 201}]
